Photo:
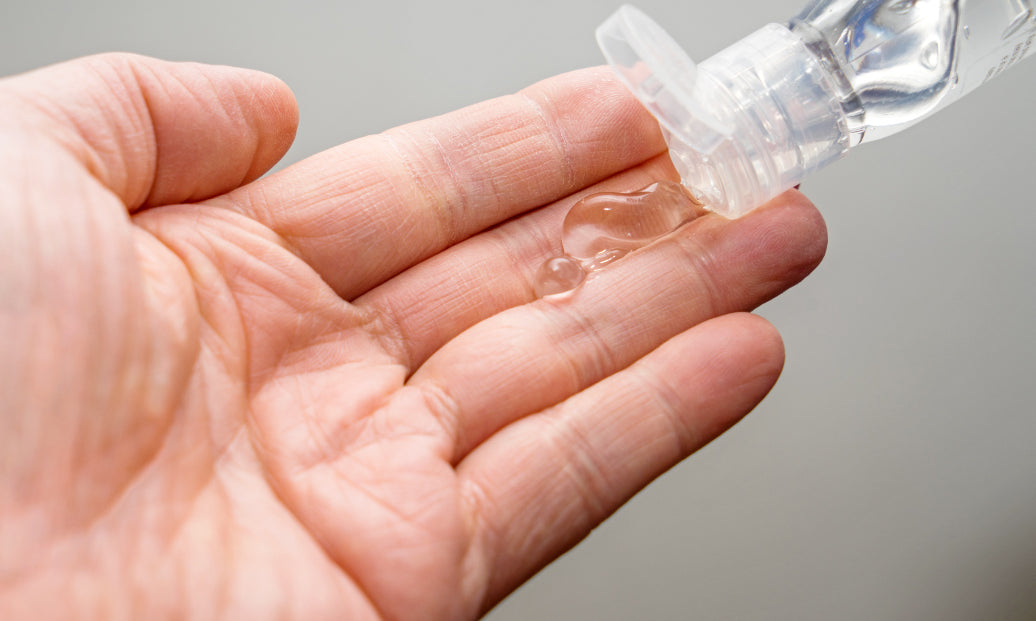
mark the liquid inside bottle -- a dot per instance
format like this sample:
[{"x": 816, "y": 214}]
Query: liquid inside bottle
[
  {"x": 905, "y": 59},
  {"x": 602, "y": 228}
]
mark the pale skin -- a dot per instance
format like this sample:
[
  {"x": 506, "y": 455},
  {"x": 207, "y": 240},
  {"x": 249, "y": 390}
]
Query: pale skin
[{"x": 330, "y": 393}]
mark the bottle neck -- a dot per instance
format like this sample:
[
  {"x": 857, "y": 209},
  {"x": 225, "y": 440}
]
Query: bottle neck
[
  {"x": 837, "y": 75},
  {"x": 786, "y": 115}
]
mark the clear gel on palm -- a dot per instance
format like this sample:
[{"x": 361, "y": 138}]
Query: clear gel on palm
[
  {"x": 604, "y": 227},
  {"x": 758, "y": 117}
]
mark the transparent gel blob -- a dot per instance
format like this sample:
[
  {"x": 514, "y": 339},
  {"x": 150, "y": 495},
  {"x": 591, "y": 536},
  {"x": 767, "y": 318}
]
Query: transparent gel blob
[{"x": 602, "y": 228}]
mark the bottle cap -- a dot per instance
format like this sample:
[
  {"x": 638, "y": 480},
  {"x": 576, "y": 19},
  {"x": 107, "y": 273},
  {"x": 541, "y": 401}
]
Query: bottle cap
[{"x": 743, "y": 126}]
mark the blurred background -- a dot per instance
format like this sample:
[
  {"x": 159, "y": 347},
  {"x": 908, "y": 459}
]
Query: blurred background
[{"x": 891, "y": 474}]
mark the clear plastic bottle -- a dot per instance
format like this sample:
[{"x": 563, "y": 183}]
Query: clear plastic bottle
[{"x": 758, "y": 117}]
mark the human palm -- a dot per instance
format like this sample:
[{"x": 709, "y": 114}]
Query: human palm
[{"x": 331, "y": 392}]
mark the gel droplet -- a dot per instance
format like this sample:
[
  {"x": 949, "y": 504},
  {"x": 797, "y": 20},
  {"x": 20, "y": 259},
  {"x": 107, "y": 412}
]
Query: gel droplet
[
  {"x": 558, "y": 275},
  {"x": 602, "y": 228},
  {"x": 930, "y": 55}
]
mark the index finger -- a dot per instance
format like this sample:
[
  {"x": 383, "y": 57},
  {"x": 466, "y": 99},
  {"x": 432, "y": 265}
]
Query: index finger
[{"x": 366, "y": 210}]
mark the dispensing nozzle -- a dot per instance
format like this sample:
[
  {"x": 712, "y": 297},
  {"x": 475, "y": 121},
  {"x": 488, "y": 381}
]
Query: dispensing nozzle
[{"x": 742, "y": 127}]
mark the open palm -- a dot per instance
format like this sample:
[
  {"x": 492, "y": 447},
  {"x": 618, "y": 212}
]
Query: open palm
[{"x": 331, "y": 392}]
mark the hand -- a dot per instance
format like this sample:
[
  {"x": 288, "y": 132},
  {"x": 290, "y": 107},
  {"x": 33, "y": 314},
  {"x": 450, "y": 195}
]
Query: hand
[{"x": 330, "y": 392}]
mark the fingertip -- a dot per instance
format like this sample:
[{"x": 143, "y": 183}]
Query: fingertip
[
  {"x": 158, "y": 132},
  {"x": 714, "y": 374},
  {"x": 770, "y": 356},
  {"x": 276, "y": 120},
  {"x": 241, "y": 122},
  {"x": 810, "y": 224},
  {"x": 786, "y": 238},
  {"x": 253, "y": 103},
  {"x": 747, "y": 360}
]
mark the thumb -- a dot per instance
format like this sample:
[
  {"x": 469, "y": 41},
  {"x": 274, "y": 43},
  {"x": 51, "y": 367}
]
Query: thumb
[{"x": 157, "y": 132}]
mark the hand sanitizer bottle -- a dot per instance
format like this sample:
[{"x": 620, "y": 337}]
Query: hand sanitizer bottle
[{"x": 758, "y": 117}]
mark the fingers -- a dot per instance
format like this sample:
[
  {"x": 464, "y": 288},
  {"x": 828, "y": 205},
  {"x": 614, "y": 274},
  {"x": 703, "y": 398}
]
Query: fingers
[
  {"x": 434, "y": 301},
  {"x": 156, "y": 132},
  {"x": 365, "y": 211},
  {"x": 540, "y": 485},
  {"x": 533, "y": 356}
]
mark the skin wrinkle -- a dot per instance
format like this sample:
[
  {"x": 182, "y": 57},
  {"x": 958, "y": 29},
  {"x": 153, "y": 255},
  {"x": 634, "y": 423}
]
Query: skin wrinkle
[
  {"x": 280, "y": 367},
  {"x": 754, "y": 375},
  {"x": 140, "y": 77},
  {"x": 433, "y": 201},
  {"x": 343, "y": 586},
  {"x": 700, "y": 261},
  {"x": 201, "y": 282},
  {"x": 560, "y": 146},
  {"x": 196, "y": 98},
  {"x": 346, "y": 434},
  {"x": 543, "y": 246},
  {"x": 102, "y": 144},
  {"x": 389, "y": 314},
  {"x": 193, "y": 334},
  {"x": 342, "y": 560},
  {"x": 293, "y": 509},
  {"x": 660, "y": 392},
  {"x": 445, "y": 410},
  {"x": 59, "y": 125},
  {"x": 456, "y": 205},
  {"x": 559, "y": 141},
  {"x": 257, "y": 144},
  {"x": 125, "y": 74},
  {"x": 481, "y": 538},
  {"x": 579, "y": 328},
  {"x": 330, "y": 442},
  {"x": 242, "y": 224},
  {"x": 580, "y": 477},
  {"x": 118, "y": 151},
  {"x": 460, "y": 207},
  {"x": 587, "y": 474},
  {"x": 244, "y": 200},
  {"x": 382, "y": 323},
  {"x": 301, "y": 348},
  {"x": 329, "y": 446},
  {"x": 237, "y": 114}
]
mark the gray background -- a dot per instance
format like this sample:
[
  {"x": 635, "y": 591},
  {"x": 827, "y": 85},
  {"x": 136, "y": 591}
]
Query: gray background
[{"x": 891, "y": 474}]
